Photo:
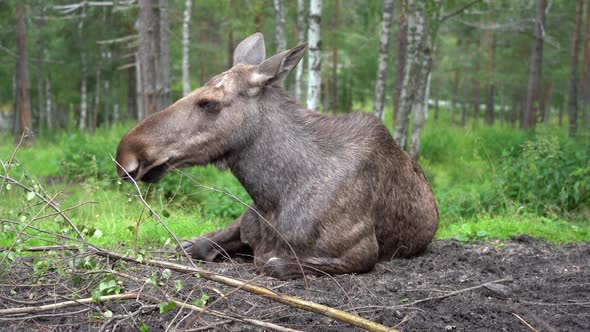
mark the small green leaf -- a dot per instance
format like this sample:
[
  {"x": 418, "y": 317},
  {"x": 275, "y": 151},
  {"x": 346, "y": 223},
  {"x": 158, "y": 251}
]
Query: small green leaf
[
  {"x": 165, "y": 307},
  {"x": 30, "y": 195},
  {"x": 178, "y": 285},
  {"x": 462, "y": 237},
  {"x": 166, "y": 274},
  {"x": 482, "y": 233},
  {"x": 143, "y": 327},
  {"x": 202, "y": 300},
  {"x": 166, "y": 214}
]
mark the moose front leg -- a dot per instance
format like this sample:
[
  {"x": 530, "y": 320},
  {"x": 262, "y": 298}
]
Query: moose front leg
[{"x": 209, "y": 246}]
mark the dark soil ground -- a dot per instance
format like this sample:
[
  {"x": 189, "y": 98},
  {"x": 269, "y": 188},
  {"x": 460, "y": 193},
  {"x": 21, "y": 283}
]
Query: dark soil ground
[{"x": 544, "y": 286}]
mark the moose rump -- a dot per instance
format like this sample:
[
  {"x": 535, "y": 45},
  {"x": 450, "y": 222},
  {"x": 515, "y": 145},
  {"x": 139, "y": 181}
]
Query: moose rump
[{"x": 331, "y": 194}]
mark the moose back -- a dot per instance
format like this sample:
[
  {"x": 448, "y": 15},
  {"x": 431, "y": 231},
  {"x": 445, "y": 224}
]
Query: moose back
[{"x": 331, "y": 194}]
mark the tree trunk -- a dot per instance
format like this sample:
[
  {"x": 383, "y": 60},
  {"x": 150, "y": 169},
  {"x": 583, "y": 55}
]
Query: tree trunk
[
  {"x": 23, "y": 115},
  {"x": 280, "y": 38},
  {"x": 300, "y": 39},
  {"x": 421, "y": 113},
  {"x": 48, "y": 102},
  {"x": 95, "y": 109},
  {"x": 464, "y": 100},
  {"x": 547, "y": 104},
  {"x": 456, "y": 82},
  {"x": 163, "y": 64},
  {"x": 381, "y": 81},
  {"x": 107, "y": 102},
  {"x": 335, "y": 58},
  {"x": 585, "y": 82},
  {"x": 116, "y": 104},
  {"x": 477, "y": 91},
  {"x": 315, "y": 57},
  {"x": 514, "y": 110},
  {"x": 147, "y": 52},
  {"x": 40, "y": 71},
  {"x": 402, "y": 45},
  {"x": 410, "y": 93},
  {"x": 490, "y": 89},
  {"x": 573, "y": 94},
  {"x": 258, "y": 18},
  {"x": 534, "y": 86},
  {"x": 523, "y": 113},
  {"x": 436, "y": 105},
  {"x": 186, "y": 43},
  {"x": 84, "y": 76}
]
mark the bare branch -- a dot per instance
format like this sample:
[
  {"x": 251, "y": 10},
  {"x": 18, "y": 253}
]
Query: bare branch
[
  {"x": 117, "y": 40},
  {"x": 459, "y": 10}
]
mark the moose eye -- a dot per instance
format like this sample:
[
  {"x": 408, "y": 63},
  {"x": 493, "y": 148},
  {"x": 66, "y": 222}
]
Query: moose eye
[{"x": 208, "y": 105}]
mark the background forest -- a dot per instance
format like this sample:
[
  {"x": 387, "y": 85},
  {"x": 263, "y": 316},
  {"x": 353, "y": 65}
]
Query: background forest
[{"x": 493, "y": 97}]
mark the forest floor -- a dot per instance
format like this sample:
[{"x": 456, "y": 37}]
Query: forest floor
[{"x": 524, "y": 284}]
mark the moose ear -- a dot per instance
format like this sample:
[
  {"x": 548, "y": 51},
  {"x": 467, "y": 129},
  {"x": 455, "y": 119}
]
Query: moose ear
[
  {"x": 276, "y": 68},
  {"x": 251, "y": 50}
]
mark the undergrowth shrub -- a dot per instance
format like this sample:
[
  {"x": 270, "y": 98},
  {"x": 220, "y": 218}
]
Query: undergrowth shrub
[{"x": 547, "y": 175}]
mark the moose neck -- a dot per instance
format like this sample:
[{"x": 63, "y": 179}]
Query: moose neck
[{"x": 281, "y": 154}]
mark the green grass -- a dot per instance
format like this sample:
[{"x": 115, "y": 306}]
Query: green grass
[
  {"x": 504, "y": 227},
  {"x": 463, "y": 164}
]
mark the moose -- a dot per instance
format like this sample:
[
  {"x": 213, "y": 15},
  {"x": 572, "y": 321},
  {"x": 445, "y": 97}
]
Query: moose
[{"x": 331, "y": 194}]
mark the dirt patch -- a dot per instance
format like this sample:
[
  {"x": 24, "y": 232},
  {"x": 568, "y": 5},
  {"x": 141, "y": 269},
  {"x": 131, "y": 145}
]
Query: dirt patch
[{"x": 541, "y": 285}]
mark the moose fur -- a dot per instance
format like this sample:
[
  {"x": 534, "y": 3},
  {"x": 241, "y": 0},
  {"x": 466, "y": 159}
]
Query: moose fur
[{"x": 331, "y": 194}]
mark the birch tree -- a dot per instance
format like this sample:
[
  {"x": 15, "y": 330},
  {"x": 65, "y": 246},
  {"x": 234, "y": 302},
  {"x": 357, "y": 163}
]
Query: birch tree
[
  {"x": 402, "y": 45},
  {"x": 411, "y": 82},
  {"x": 280, "y": 38},
  {"x": 186, "y": 80},
  {"x": 315, "y": 57},
  {"x": 300, "y": 39},
  {"x": 536, "y": 65},
  {"x": 383, "y": 59},
  {"x": 23, "y": 120},
  {"x": 84, "y": 72}
]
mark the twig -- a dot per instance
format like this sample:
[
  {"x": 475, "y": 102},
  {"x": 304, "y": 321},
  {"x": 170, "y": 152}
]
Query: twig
[
  {"x": 468, "y": 289},
  {"x": 44, "y": 248},
  {"x": 250, "y": 321},
  {"x": 66, "y": 304},
  {"x": 459, "y": 11},
  {"x": 525, "y": 322},
  {"x": 49, "y": 203},
  {"x": 210, "y": 326},
  {"x": 11, "y": 159},
  {"x": 59, "y": 315},
  {"x": 291, "y": 301}
]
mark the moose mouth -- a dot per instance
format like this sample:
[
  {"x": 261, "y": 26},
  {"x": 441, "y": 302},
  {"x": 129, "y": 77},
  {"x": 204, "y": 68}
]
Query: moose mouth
[{"x": 155, "y": 173}]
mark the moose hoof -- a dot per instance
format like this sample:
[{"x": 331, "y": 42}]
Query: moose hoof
[{"x": 200, "y": 248}]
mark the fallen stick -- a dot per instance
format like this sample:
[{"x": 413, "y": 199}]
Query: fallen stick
[
  {"x": 44, "y": 248},
  {"x": 66, "y": 304},
  {"x": 250, "y": 321},
  {"x": 525, "y": 322},
  {"x": 291, "y": 301},
  {"x": 468, "y": 289}
]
